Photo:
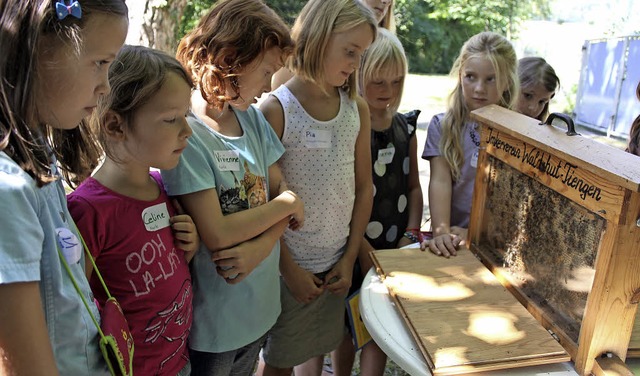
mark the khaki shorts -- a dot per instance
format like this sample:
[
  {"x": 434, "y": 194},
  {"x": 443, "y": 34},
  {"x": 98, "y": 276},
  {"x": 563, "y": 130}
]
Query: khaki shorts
[{"x": 304, "y": 331}]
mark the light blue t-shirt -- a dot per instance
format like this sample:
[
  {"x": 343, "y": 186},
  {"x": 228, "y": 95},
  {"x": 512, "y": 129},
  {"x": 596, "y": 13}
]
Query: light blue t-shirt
[
  {"x": 227, "y": 317},
  {"x": 34, "y": 220}
]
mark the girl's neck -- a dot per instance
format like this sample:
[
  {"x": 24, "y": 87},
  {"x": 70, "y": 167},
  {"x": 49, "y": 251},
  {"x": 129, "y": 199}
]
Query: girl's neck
[
  {"x": 380, "y": 119},
  {"x": 222, "y": 121},
  {"x": 320, "y": 105},
  {"x": 312, "y": 89},
  {"x": 128, "y": 179}
]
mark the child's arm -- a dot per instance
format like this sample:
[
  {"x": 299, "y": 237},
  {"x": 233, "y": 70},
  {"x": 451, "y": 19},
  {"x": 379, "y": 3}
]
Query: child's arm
[
  {"x": 272, "y": 111},
  {"x": 415, "y": 203},
  {"x": 361, "y": 206},
  {"x": 245, "y": 257},
  {"x": 25, "y": 348},
  {"x": 234, "y": 264},
  {"x": 277, "y": 186},
  {"x": 303, "y": 284},
  {"x": 364, "y": 256},
  {"x": 444, "y": 241},
  {"x": 219, "y": 231},
  {"x": 185, "y": 232}
]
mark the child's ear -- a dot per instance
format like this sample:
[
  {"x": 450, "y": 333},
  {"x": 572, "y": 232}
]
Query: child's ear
[{"x": 114, "y": 125}]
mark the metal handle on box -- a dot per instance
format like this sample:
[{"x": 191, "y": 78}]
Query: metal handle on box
[{"x": 571, "y": 128}]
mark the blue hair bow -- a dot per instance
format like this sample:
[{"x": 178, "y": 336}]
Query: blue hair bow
[{"x": 63, "y": 10}]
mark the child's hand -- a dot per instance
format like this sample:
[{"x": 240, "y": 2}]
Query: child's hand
[
  {"x": 185, "y": 230},
  {"x": 462, "y": 234},
  {"x": 443, "y": 245},
  {"x": 304, "y": 286},
  {"x": 235, "y": 264},
  {"x": 338, "y": 280}
]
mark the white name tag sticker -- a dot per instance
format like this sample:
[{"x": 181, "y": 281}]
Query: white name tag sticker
[
  {"x": 227, "y": 160},
  {"x": 156, "y": 217},
  {"x": 385, "y": 156},
  {"x": 474, "y": 159},
  {"x": 317, "y": 138},
  {"x": 70, "y": 245}
]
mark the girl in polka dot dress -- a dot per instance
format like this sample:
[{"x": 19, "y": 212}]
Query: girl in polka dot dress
[{"x": 325, "y": 129}]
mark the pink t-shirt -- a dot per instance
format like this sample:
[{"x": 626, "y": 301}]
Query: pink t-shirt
[{"x": 134, "y": 250}]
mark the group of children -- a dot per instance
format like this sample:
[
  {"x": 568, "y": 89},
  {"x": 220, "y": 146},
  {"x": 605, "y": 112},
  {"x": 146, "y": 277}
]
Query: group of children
[{"x": 259, "y": 221}]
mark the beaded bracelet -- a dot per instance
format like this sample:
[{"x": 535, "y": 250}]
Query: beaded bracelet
[{"x": 413, "y": 234}]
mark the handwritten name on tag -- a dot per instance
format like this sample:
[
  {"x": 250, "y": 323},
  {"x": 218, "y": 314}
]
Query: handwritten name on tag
[
  {"x": 227, "y": 160},
  {"x": 317, "y": 139},
  {"x": 70, "y": 245},
  {"x": 385, "y": 156},
  {"x": 156, "y": 217}
]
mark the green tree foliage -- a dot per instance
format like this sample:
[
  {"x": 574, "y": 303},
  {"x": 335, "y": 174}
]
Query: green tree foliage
[
  {"x": 287, "y": 9},
  {"x": 432, "y": 31},
  {"x": 192, "y": 13}
]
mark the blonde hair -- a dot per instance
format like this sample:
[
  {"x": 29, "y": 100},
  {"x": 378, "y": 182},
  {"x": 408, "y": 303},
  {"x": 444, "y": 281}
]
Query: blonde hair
[
  {"x": 389, "y": 21},
  {"x": 535, "y": 70},
  {"x": 502, "y": 56},
  {"x": 384, "y": 56},
  {"x": 227, "y": 39},
  {"x": 312, "y": 31}
]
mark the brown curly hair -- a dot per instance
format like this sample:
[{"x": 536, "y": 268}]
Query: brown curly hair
[{"x": 227, "y": 39}]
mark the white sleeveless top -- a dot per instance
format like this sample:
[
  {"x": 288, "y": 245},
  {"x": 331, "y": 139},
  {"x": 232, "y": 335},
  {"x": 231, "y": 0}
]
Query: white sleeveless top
[{"x": 319, "y": 166}]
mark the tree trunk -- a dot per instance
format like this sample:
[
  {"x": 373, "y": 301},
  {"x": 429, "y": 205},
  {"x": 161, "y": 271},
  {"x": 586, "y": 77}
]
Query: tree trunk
[{"x": 160, "y": 21}]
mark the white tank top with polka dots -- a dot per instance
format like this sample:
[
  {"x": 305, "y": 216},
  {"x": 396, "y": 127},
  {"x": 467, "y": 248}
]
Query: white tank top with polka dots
[{"x": 319, "y": 165}]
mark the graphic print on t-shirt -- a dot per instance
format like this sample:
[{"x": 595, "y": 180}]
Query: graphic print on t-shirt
[
  {"x": 169, "y": 325},
  {"x": 250, "y": 192}
]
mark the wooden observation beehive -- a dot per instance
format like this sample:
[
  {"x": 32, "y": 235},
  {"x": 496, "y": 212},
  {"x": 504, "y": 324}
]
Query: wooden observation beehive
[{"x": 556, "y": 218}]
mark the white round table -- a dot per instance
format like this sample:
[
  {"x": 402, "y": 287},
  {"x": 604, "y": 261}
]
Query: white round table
[{"x": 387, "y": 328}]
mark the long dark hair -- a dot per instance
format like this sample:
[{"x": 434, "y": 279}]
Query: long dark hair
[{"x": 23, "y": 23}]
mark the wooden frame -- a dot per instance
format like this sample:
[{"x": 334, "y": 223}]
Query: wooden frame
[{"x": 597, "y": 177}]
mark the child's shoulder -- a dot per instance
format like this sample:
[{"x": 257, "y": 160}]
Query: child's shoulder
[
  {"x": 408, "y": 122},
  {"x": 363, "y": 107},
  {"x": 12, "y": 171}
]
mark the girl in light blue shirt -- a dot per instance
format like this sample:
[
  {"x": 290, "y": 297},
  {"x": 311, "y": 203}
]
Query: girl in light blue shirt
[{"x": 53, "y": 69}]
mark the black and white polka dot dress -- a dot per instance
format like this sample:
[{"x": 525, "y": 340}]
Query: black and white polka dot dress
[{"x": 390, "y": 158}]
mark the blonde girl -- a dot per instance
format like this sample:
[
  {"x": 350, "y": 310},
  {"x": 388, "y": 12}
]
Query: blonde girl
[
  {"x": 53, "y": 69},
  {"x": 486, "y": 74},
  {"x": 128, "y": 222},
  {"x": 383, "y": 13},
  {"x": 538, "y": 85},
  {"x": 325, "y": 129}
]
